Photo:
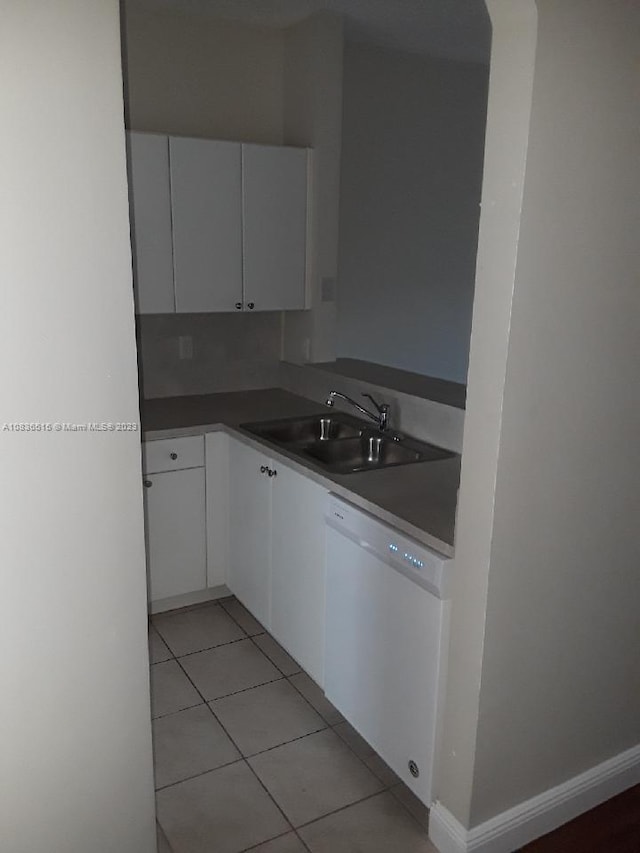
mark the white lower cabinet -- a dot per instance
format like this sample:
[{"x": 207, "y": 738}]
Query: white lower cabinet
[
  {"x": 276, "y": 551},
  {"x": 298, "y": 568},
  {"x": 236, "y": 516},
  {"x": 249, "y": 574},
  {"x": 175, "y": 532}
]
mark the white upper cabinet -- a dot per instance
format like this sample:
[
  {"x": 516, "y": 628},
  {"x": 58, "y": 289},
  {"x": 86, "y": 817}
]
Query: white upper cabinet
[
  {"x": 274, "y": 216},
  {"x": 207, "y": 224},
  {"x": 217, "y": 226},
  {"x": 150, "y": 206}
]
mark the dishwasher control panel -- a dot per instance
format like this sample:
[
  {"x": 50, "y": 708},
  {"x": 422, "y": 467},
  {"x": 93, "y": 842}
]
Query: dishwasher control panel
[
  {"x": 407, "y": 557},
  {"x": 427, "y": 568}
]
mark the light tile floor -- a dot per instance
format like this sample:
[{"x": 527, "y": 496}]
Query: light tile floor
[{"x": 251, "y": 756}]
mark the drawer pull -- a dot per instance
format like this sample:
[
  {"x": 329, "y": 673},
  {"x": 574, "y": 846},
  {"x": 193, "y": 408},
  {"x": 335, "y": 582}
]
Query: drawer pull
[
  {"x": 148, "y": 484},
  {"x": 173, "y": 456}
]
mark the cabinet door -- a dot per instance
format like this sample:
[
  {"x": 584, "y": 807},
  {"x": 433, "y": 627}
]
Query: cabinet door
[
  {"x": 249, "y": 575},
  {"x": 274, "y": 197},
  {"x": 207, "y": 228},
  {"x": 150, "y": 211},
  {"x": 298, "y": 568},
  {"x": 175, "y": 532}
]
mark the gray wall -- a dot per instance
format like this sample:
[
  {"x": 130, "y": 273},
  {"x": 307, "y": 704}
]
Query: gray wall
[
  {"x": 196, "y": 77},
  {"x": 75, "y": 730},
  {"x": 412, "y": 149},
  {"x": 313, "y": 117}
]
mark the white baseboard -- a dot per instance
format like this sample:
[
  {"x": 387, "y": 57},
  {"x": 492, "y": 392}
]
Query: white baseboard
[
  {"x": 161, "y": 605},
  {"x": 541, "y": 814}
]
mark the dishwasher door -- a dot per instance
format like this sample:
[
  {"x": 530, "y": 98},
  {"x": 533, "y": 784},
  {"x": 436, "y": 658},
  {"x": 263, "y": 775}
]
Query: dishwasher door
[{"x": 385, "y": 638}]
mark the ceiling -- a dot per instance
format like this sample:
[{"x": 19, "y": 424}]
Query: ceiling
[{"x": 453, "y": 29}]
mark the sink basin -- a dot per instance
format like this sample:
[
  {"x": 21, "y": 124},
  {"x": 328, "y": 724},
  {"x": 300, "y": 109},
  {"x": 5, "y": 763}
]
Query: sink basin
[
  {"x": 370, "y": 452},
  {"x": 343, "y": 444},
  {"x": 305, "y": 430}
]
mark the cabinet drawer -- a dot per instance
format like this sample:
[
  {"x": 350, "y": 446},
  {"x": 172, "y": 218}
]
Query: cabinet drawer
[{"x": 173, "y": 454}]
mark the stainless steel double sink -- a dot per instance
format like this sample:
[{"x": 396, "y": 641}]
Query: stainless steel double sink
[{"x": 343, "y": 444}]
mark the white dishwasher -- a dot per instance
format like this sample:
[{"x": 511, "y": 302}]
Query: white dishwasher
[{"x": 386, "y": 637}]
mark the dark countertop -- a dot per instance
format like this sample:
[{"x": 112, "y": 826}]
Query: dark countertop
[
  {"x": 420, "y": 499},
  {"x": 230, "y": 408}
]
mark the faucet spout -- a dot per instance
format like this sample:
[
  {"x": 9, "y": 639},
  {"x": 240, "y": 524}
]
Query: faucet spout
[{"x": 381, "y": 417}]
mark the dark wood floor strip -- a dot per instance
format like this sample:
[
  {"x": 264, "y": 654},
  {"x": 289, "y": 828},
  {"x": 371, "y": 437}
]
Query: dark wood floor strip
[{"x": 613, "y": 827}]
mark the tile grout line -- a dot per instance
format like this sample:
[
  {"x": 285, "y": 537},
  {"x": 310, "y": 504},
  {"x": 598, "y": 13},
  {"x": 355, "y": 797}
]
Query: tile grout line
[
  {"x": 271, "y": 797},
  {"x": 302, "y": 841},
  {"x": 386, "y": 788},
  {"x": 205, "y": 649},
  {"x": 166, "y": 787},
  {"x": 260, "y": 782},
  {"x": 242, "y": 690},
  {"x": 231, "y": 616},
  {"x": 332, "y": 726},
  {"x": 295, "y": 687},
  {"x": 284, "y": 743},
  {"x": 179, "y": 711},
  {"x": 164, "y": 834},
  {"x": 203, "y": 606},
  {"x": 407, "y": 809},
  {"x": 267, "y": 634},
  {"x": 275, "y": 838},
  {"x": 340, "y": 809},
  {"x": 242, "y": 758}
]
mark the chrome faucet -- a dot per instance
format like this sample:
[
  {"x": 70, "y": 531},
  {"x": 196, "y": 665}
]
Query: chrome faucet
[{"x": 382, "y": 416}]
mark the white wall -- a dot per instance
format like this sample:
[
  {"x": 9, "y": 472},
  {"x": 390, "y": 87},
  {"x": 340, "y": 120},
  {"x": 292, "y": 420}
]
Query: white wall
[
  {"x": 412, "y": 147},
  {"x": 507, "y": 137},
  {"x": 75, "y": 741},
  {"x": 543, "y": 662},
  {"x": 561, "y": 672}
]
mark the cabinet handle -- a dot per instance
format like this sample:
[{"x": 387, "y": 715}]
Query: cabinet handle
[
  {"x": 251, "y": 305},
  {"x": 263, "y": 469},
  {"x": 148, "y": 484},
  {"x": 239, "y": 305},
  {"x": 173, "y": 456},
  {"x": 272, "y": 472}
]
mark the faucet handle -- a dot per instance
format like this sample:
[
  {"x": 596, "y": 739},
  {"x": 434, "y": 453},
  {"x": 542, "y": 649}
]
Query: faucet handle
[{"x": 381, "y": 407}]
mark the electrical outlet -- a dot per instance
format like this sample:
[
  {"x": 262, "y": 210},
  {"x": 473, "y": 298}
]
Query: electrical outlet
[
  {"x": 328, "y": 290},
  {"x": 185, "y": 347}
]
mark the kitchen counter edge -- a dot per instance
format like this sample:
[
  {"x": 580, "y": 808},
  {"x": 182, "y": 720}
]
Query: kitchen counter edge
[{"x": 362, "y": 502}]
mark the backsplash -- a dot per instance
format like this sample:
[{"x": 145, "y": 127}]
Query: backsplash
[{"x": 231, "y": 352}]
